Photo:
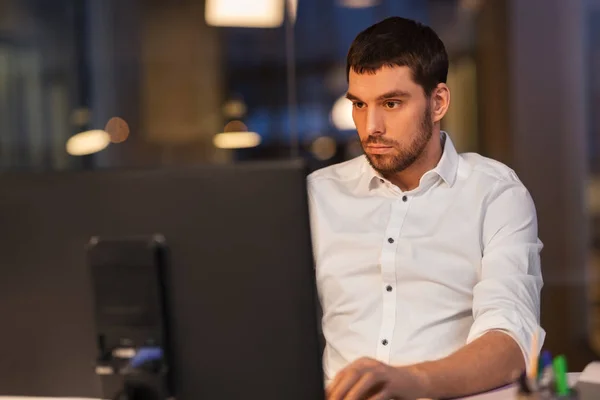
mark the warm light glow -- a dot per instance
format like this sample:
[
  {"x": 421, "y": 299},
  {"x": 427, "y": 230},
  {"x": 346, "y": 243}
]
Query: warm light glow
[
  {"x": 358, "y": 3},
  {"x": 341, "y": 114},
  {"x": 124, "y": 352},
  {"x": 245, "y": 13},
  {"x": 234, "y": 108},
  {"x": 323, "y": 148},
  {"x": 88, "y": 142},
  {"x": 118, "y": 129},
  {"x": 236, "y": 140},
  {"x": 235, "y": 126}
]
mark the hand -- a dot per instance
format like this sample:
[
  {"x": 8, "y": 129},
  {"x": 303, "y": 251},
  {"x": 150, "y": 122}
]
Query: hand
[{"x": 368, "y": 379}]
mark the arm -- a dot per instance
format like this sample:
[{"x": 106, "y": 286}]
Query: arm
[
  {"x": 506, "y": 302},
  {"x": 488, "y": 362}
]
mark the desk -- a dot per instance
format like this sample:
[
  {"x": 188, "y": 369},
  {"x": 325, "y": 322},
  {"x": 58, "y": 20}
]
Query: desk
[{"x": 507, "y": 393}]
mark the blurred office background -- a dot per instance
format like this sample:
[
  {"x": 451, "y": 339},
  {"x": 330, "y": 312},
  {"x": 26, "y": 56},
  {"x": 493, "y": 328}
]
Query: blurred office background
[{"x": 157, "y": 83}]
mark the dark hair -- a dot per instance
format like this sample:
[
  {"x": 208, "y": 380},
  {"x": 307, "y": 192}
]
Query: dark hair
[{"x": 397, "y": 41}]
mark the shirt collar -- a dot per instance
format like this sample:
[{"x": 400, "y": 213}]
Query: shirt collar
[
  {"x": 446, "y": 168},
  {"x": 448, "y": 164}
]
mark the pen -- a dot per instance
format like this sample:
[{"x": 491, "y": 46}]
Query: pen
[
  {"x": 546, "y": 372},
  {"x": 560, "y": 375},
  {"x": 533, "y": 357},
  {"x": 545, "y": 361}
]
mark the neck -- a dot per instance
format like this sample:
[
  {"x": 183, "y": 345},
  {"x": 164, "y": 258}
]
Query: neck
[{"x": 409, "y": 178}]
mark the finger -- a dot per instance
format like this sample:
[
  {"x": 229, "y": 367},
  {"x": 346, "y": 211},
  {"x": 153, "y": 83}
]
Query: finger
[
  {"x": 368, "y": 385},
  {"x": 353, "y": 368},
  {"x": 330, "y": 389},
  {"x": 345, "y": 383}
]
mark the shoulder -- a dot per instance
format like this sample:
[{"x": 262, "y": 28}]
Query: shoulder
[
  {"x": 488, "y": 169},
  {"x": 506, "y": 199},
  {"x": 497, "y": 182}
]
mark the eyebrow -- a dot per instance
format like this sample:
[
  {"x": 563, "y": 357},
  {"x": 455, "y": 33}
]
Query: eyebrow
[
  {"x": 392, "y": 94},
  {"x": 388, "y": 95},
  {"x": 352, "y": 97}
]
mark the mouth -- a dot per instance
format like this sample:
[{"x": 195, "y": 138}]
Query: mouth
[{"x": 378, "y": 149}]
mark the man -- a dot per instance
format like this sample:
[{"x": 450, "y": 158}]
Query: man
[{"x": 427, "y": 261}]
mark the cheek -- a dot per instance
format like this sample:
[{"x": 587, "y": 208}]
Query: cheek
[
  {"x": 397, "y": 123},
  {"x": 403, "y": 122},
  {"x": 401, "y": 126}
]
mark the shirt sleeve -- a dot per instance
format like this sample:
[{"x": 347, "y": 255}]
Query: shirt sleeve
[{"x": 507, "y": 296}]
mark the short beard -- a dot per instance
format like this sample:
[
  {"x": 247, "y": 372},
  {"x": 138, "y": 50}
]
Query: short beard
[{"x": 405, "y": 157}]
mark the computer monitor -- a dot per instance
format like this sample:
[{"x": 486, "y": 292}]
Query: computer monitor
[{"x": 243, "y": 299}]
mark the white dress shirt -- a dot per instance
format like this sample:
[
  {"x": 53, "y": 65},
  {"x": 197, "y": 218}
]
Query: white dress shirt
[{"x": 406, "y": 277}]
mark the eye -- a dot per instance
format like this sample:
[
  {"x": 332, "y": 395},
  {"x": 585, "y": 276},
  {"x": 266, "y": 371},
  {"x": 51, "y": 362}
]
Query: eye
[
  {"x": 391, "y": 104},
  {"x": 358, "y": 104}
]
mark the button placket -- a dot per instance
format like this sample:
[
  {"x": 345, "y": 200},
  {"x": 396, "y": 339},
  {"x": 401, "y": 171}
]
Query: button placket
[{"x": 388, "y": 276}]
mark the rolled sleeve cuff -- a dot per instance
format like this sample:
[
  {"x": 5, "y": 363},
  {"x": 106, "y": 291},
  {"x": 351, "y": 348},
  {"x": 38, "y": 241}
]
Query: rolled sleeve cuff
[{"x": 521, "y": 331}]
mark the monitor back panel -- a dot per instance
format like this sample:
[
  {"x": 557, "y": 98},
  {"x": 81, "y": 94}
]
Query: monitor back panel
[{"x": 241, "y": 280}]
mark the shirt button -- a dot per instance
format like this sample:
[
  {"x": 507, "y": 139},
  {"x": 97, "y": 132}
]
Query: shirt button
[
  {"x": 388, "y": 288},
  {"x": 404, "y": 198},
  {"x": 390, "y": 240},
  {"x": 384, "y": 342}
]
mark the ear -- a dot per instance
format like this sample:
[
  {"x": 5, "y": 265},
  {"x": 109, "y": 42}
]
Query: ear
[{"x": 440, "y": 101}]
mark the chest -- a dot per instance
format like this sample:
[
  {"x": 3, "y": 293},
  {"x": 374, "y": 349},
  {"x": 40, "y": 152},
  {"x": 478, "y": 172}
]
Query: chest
[{"x": 421, "y": 242}]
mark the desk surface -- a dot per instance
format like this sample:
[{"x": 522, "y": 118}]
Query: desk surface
[
  {"x": 507, "y": 393},
  {"x": 510, "y": 392}
]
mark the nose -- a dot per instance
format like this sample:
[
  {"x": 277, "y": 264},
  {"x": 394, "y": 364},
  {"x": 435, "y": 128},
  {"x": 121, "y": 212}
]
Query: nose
[{"x": 375, "y": 125}]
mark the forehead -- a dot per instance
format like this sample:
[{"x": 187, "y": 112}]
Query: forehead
[{"x": 368, "y": 86}]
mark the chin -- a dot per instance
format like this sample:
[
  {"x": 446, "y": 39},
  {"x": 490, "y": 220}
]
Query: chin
[
  {"x": 383, "y": 163},
  {"x": 388, "y": 163}
]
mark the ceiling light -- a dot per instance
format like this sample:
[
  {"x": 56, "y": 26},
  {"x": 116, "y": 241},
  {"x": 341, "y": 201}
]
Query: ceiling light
[{"x": 245, "y": 13}]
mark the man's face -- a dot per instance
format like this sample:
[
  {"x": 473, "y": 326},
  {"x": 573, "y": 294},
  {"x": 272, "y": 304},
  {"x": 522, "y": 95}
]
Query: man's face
[{"x": 392, "y": 116}]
